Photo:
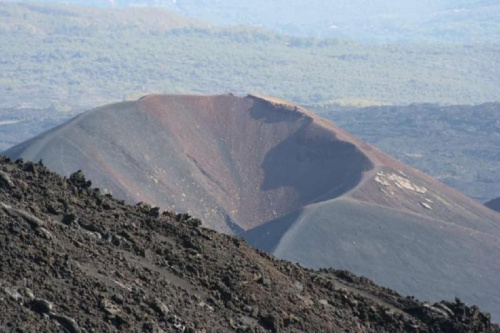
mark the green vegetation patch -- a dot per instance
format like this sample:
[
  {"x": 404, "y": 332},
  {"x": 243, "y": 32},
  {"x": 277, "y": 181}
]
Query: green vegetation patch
[{"x": 61, "y": 53}]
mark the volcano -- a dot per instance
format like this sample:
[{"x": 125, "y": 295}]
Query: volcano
[{"x": 289, "y": 182}]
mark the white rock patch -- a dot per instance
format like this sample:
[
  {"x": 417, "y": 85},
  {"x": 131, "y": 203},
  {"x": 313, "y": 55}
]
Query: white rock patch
[
  {"x": 426, "y": 205},
  {"x": 403, "y": 183}
]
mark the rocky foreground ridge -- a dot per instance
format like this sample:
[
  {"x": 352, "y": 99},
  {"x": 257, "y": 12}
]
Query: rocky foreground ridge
[{"x": 74, "y": 260}]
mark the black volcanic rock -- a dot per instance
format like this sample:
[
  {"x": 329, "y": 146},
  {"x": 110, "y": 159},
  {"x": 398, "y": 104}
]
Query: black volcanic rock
[{"x": 127, "y": 268}]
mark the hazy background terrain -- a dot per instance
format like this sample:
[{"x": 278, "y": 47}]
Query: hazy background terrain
[
  {"x": 466, "y": 21},
  {"x": 83, "y": 57},
  {"x": 59, "y": 60}
]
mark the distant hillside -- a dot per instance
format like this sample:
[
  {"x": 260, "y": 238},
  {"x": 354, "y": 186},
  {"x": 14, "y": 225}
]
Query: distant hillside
[
  {"x": 39, "y": 19},
  {"x": 459, "y": 145},
  {"x": 18, "y": 125},
  {"x": 373, "y": 21},
  {"x": 462, "y": 21},
  {"x": 85, "y": 57}
]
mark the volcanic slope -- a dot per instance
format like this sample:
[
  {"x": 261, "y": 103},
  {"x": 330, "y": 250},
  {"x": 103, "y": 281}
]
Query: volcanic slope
[
  {"x": 75, "y": 260},
  {"x": 291, "y": 183}
]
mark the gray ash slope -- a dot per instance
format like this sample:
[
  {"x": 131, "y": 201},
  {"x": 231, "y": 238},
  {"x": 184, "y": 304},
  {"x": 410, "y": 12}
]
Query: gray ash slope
[{"x": 73, "y": 260}]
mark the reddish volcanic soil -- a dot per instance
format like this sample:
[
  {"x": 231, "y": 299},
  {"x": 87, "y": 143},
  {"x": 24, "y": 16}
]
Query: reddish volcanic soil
[
  {"x": 257, "y": 159},
  {"x": 244, "y": 161}
]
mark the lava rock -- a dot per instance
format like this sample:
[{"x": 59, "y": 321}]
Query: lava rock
[
  {"x": 41, "y": 306},
  {"x": 68, "y": 323}
]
